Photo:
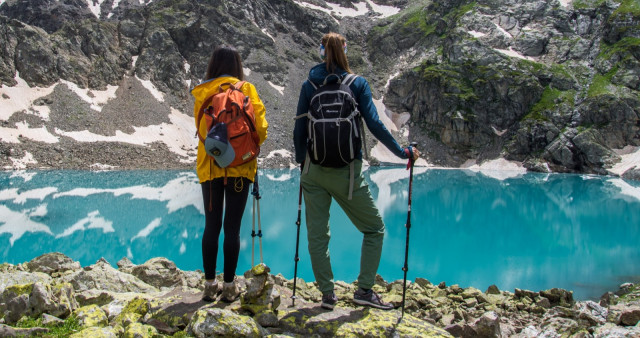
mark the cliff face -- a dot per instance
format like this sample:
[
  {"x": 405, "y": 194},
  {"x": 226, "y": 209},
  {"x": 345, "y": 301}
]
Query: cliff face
[{"x": 554, "y": 85}]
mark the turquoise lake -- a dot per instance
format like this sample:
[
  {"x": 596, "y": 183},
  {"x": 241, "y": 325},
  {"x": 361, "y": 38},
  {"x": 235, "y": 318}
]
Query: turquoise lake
[{"x": 529, "y": 231}]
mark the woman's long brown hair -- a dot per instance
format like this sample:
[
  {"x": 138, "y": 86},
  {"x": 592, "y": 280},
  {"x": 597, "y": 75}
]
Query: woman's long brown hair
[
  {"x": 334, "y": 52},
  {"x": 225, "y": 61}
]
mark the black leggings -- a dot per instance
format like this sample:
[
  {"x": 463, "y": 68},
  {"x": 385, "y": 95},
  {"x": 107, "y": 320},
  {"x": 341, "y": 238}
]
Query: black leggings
[{"x": 233, "y": 196}]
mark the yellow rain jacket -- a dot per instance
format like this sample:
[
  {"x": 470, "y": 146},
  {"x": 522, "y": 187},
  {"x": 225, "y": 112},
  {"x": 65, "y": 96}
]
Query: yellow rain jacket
[{"x": 206, "y": 168}]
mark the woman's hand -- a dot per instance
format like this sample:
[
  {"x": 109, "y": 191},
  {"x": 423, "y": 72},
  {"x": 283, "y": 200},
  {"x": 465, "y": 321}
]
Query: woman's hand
[
  {"x": 412, "y": 151},
  {"x": 416, "y": 153}
]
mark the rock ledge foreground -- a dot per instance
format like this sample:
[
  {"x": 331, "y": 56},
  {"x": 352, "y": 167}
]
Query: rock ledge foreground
[{"x": 157, "y": 299}]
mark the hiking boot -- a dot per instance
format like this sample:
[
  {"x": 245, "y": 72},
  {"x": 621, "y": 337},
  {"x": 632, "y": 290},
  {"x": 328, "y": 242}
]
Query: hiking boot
[
  {"x": 329, "y": 301},
  {"x": 230, "y": 292},
  {"x": 210, "y": 291},
  {"x": 370, "y": 298}
]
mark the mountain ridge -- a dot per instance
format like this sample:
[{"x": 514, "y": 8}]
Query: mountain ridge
[{"x": 549, "y": 85}]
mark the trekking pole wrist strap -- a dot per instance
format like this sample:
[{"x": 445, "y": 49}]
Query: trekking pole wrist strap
[{"x": 409, "y": 152}]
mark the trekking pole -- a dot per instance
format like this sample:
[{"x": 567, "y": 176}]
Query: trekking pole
[
  {"x": 256, "y": 201},
  {"x": 295, "y": 270},
  {"x": 405, "y": 268}
]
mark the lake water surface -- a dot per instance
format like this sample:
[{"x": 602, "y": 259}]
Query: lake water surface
[{"x": 532, "y": 231}]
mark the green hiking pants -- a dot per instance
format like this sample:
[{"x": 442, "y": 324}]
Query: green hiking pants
[{"x": 320, "y": 185}]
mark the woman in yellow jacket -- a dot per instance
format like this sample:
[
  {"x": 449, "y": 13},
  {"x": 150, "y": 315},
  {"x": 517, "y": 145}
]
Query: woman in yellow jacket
[{"x": 224, "y": 189}]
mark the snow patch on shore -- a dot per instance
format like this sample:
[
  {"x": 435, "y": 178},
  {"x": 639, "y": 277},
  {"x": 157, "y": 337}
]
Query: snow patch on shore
[
  {"x": 95, "y": 8},
  {"x": 21, "y": 97},
  {"x": 22, "y": 130},
  {"x": 566, "y": 3},
  {"x": 177, "y": 135},
  {"x": 476, "y": 34},
  {"x": 280, "y": 89},
  {"x": 393, "y": 122},
  {"x": 630, "y": 158},
  {"x": 100, "y": 167},
  {"x": 152, "y": 89},
  {"x": 96, "y": 98},
  {"x": 510, "y": 52},
  {"x": 362, "y": 8},
  {"x": 21, "y": 163}
]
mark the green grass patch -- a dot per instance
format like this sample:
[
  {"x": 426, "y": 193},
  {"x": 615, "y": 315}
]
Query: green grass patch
[
  {"x": 56, "y": 330},
  {"x": 621, "y": 47},
  {"x": 601, "y": 84},
  {"x": 452, "y": 82},
  {"x": 559, "y": 70},
  {"x": 629, "y": 6},
  {"x": 532, "y": 66},
  {"x": 551, "y": 97},
  {"x": 584, "y": 4},
  {"x": 418, "y": 19},
  {"x": 460, "y": 11}
]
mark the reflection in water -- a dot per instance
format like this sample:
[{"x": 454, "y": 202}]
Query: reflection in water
[{"x": 472, "y": 228}]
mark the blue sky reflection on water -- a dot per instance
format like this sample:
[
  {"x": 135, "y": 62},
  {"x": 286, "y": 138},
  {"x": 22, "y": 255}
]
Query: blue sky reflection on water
[{"x": 531, "y": 231}]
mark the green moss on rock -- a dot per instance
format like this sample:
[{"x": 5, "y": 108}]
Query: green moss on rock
[
  {"x": 583, "y": 4},
  {"x": 378, "y": 323},
  {"x": 95, "y": 332},
  {"x": 219, "y": 322},
  {"x": 136, "y": 330},
  {"x": 601, "y": 84},
  {"x": 90, "y": 316},
  {"x": 19, "y": 289},
  {"x": 418, "y": 20},
  {"x": 628, "y": 7},
  {"x": 137, "y": 305},
  {"x": 551, "y": 97}
]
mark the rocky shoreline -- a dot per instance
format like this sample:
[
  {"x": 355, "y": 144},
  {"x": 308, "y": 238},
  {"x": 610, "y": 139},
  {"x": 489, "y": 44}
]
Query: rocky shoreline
[{"x": 157, "y": 299}]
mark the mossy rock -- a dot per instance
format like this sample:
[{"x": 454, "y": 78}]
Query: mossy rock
[
  {"x": 260, "y": 269},
  {"x": 138, "y": 305},
  {"x": 17, "y": 290},
  {"x": 220, "y": 322},
  {"x": 95, "y": 332},
  {"x": 137, "y": 330},
  {"x": 378, "y": 323},
  {"x": 90, "y": 316}
]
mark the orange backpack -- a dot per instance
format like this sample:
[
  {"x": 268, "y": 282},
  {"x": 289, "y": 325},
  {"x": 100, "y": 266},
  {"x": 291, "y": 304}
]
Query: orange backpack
[{"x": 233, "y": 108}]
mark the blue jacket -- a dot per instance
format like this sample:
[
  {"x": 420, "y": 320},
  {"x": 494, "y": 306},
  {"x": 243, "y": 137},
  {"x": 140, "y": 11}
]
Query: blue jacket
[{"x": 362, "y": 92}]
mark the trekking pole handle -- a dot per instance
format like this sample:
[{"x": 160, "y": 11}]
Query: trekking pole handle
[{"x": 413, "y": 145}]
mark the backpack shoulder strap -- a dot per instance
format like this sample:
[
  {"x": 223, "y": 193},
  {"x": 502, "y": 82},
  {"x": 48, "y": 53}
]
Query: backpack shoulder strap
[
  {"x": 238, "y": 85},
  {"x": 349, "y": 78},
  {"x": 312, "y": 84},
  {"x": 301, "y": 116},
  {"x": 201, "y": 113}
]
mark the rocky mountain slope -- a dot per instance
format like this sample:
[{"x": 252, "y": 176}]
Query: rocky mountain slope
[{"x": 105, "y": 84}]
